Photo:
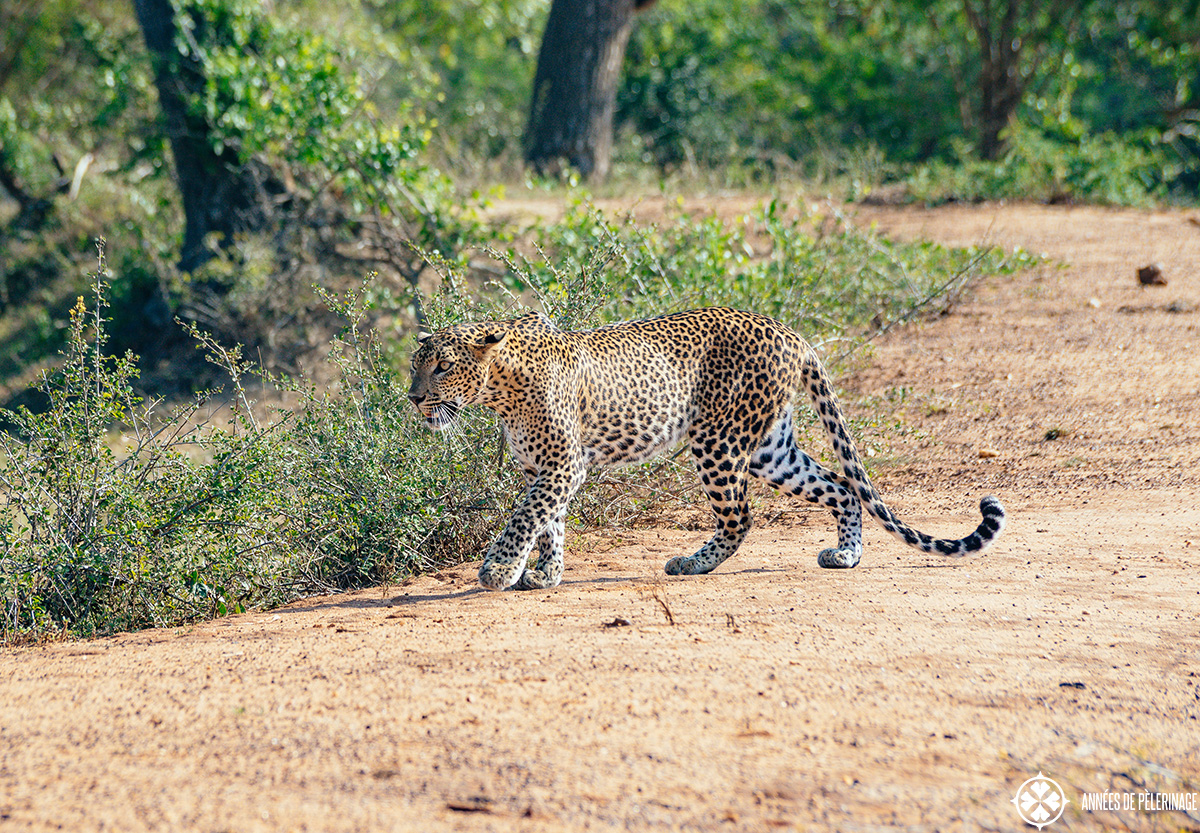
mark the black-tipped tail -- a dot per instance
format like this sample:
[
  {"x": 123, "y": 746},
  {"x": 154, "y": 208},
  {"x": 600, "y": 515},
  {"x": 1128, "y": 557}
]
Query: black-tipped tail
[{"x": 989, "y": 528}]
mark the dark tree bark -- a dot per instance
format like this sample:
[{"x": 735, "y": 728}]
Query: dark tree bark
[
  {"x": 575, "y": 88},
  {"x": 1000, "y": 83},
  {"x": 220, "y": 194},
  {"x": 1011, "y": 33}
]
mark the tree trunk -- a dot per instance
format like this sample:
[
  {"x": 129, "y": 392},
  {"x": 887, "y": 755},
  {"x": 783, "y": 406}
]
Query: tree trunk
[
  {"x": 220, "y": 194},
  {"x": 1000, "y": 93},
  {"x": 575, "y": 88},
  {"x": 1000, "y": 83}
]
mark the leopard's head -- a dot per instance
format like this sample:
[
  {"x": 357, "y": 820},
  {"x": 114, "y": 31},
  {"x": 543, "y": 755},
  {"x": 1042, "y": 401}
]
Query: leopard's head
[{"x": 450, "y": 370}]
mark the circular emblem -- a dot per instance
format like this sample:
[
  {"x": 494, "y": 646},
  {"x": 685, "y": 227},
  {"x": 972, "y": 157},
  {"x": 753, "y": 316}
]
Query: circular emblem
[{"x": 1040, "y": 801}]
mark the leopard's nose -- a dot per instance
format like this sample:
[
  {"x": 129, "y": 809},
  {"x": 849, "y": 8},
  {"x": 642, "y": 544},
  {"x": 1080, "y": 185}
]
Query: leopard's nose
[{"x": 416, "y": 398}]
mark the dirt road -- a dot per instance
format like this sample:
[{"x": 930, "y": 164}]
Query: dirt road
[{"x": 910, "y": 692}]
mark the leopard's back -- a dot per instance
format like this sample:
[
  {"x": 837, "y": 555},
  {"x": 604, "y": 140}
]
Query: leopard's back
[{"x": 644, "y": 384}]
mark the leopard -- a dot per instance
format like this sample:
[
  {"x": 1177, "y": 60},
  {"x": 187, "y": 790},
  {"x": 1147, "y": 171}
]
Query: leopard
[{"x": 724, "y": 380}]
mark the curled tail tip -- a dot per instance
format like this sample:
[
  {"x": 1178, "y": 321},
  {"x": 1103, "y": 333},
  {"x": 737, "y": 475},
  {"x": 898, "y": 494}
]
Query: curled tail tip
[
  {"x": 994, "y": 517},
  {"x": 991, "y": 508}
]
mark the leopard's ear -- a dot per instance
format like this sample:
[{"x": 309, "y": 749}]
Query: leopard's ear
[
  {"x": 489, "y": 341},
  {"x": 423, "y": 337}
]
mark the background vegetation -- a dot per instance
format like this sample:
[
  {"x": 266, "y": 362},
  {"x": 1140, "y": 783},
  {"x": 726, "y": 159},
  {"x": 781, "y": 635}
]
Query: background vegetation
[{"x": 142, "y": 484}]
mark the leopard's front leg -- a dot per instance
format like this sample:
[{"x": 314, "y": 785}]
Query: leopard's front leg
[
  {"x": 549, "y": 569},
  {"x": 539, "y": 519}
]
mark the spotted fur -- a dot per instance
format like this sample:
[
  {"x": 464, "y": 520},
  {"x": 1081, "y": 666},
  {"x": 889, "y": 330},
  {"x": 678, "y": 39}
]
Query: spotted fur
[{"x": 722, "y": 378}]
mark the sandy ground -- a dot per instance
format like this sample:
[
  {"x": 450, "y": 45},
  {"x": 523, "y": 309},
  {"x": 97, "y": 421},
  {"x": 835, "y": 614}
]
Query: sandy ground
[{"x": 909, "y": 693}]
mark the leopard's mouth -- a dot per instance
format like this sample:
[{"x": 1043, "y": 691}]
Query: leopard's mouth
[{"x": 441, "y": 415}]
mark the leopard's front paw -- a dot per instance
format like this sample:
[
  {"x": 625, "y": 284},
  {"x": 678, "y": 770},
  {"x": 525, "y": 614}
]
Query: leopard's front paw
[
  {"x": 682, "y": 565},
  {"x": 838, "y": 559},
  {"x": 496, "y": 576},
  {"x": 537, "y": 580}
]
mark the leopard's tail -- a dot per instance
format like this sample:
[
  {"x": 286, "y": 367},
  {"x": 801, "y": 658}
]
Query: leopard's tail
[{"x": 816, "y": 382}]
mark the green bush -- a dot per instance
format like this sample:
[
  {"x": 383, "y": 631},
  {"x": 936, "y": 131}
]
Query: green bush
[
  {"x": 281, "y": 92},
  {"x": 811, "y": 89},
  {"x": 815, "y": 271},
  {"x": 115, "y": 515},
  {"x": 777, "y": 83},
  {"x": 106, "y": 521},
  {"x": 1105, "y": 169}
]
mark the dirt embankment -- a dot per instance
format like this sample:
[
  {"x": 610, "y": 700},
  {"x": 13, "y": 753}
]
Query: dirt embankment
[{"x": 909, "y": 692}]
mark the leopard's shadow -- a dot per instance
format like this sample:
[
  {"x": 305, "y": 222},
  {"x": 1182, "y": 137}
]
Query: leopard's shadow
[
  {"x": 410, "y": 599},
  {"x": 391, "y": 600}
]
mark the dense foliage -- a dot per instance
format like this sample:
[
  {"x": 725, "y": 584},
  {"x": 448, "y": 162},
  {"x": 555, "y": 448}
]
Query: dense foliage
[{"x": 825, "y": 86}]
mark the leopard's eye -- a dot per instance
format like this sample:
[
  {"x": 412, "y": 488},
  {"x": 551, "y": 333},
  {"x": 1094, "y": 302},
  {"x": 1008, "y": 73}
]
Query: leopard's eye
[{"x": 443, "y": 366}]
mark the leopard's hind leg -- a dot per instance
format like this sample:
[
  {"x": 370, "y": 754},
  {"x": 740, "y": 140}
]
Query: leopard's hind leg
[
  {"x": 780, "y": 463},
  {"x": 721, "y": 463}
]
